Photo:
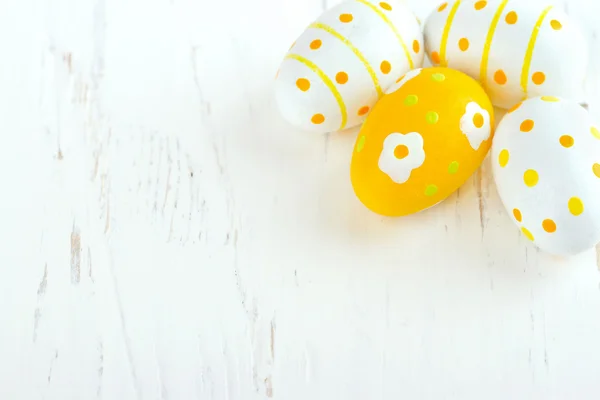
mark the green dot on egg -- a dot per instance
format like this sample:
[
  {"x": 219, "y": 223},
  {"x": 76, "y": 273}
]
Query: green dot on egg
[
  {"x": 432, "y": 117},
  {"x": 411, "y": 100},
  {"x": 453, "y": 167},
  {"x": 438, "y": 77},
  {"x": 361, "y": 143},
  {"x": 431, "y": 190}
]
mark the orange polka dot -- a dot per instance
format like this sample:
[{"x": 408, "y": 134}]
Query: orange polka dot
[
  {"x": 480, "y": 5},
  {"x": 463, "y": 44},
  {"x": 556, "y": 25},
  {"x": 435, "y": 57},
  {"x": 512, "y": 18},
  {"x": 401, "y": 151},
  {"x": 385, "y": 6},
  {"x": 385, "y": 67},
  {"x": 345, "y": 18},
  {"x": 318, "y": 119},
  {"x": 517, "y": 214},
  {"x": 315, "y": 44},
  {"x": 363, "y": 110},
  {"x": 416, "y": 46},
  {"x": 500, "y": 77},
  {"x": 478, "y": 120},
  {"x": 527, "y": 125},
  {"x": 442, "y": 7},
  {"x": 515, "y": 107},
  {"x": 538, "y": 78},
  {"x": 549, "y": 226},
  {"x": 567, "y": 141},
  {"x": 303, "y": 84},
  {"x": 341, "y": 77}
]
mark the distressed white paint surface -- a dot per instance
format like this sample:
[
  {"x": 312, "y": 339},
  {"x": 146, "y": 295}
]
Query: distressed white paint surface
[{"x": 166, "y": 236}]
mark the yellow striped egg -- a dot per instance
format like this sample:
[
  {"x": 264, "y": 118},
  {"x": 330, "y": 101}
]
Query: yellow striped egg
[
  {"x": 546, "y": 164},
  {"x": 344, "y": 61},
  {"x": 516, "y": 49}
]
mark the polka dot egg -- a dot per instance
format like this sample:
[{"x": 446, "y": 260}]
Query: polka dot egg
[
  {"x": 511, "y": 47},
  {"x": 422, "y": 141},
  {"x": 344, "y": 61},
  {"x": 546, "y": 163}
]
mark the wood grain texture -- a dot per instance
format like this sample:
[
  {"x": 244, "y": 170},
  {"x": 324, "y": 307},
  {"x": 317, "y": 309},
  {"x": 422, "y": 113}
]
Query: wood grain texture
[{"x": 167, "y": 236}]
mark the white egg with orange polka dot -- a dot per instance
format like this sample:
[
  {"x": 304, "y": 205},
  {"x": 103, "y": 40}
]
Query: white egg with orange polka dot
[
  {"x": 345, "y": 61},
  {"x": 515, "y": 49},
  {"x": 546, "y": 163}
]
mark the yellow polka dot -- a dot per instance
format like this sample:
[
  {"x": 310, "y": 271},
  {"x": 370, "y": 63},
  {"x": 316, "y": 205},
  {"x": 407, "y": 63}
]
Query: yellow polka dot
[
  {"x": 567, "y": 141},
  {"x": 512, "y": 18},
  {"x": 363, "y": 110},
  {"x": 385, "y": 6},
  {"x": 556, "y": 25},
  {"x": 318, "y": 119},
  {"x": 401, "y": 152},
  {"x": 538, "y": 78},
  {"x": 527, "y": 125},
  {"x": 385, "y": 67},
  {"x": 531, "y": 177},
  {"x": 478, "y": 120},
  {"x": 341, "y": 77},
  {"x": 435, "y": 57},
  {"x": 303, "y": 84},
  {"x": 416, "y": 46},
  {"x": 480, "y": 5},
  {"x": 517, "y": 214},
  {"x": 438, "y": 77},
  {"x": 527, "y": 234},
  {"x": 549, "y": 226},
  {"x": 432, "y": 117},
  {"x": 463, "y": 44},
  {"x": 315, "y": 44},
  {"x": 515, "y": 107},
  {"x": 503, "y": 158},
  {"x": 442, "y": 7},
  {"x": 596, "y": 169},
  {"x": 500, "y": 77},
  {"x": 550, "y": 99},
  {"x": 345, "y": 18},
  {"x": 595, "y": 132},
  {"x": 430, "y": 190},
  {"x": 576, "y": 206}
]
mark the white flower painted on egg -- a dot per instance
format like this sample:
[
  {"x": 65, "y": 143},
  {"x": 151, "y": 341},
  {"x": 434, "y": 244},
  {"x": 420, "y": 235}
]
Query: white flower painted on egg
[
  {"x": 475, "y": 125},
  {"x": 407, "y": 77},
  {"x": 401, "y": 154}
]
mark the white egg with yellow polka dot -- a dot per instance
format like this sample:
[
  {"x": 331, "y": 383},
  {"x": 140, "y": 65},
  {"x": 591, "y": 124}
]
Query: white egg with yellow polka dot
[
  {"x": 343, "y": 63},
  {"x": 546, "y": 164},
  {"x": 516, "y": 49}
]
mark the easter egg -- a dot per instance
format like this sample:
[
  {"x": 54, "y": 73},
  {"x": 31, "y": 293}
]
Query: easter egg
[
  {"x": 546, "y": 164},
  {"x": 421, "y": 142},
  {"x": 516, "y": 49},
  {"x": 344, "y": 61}
]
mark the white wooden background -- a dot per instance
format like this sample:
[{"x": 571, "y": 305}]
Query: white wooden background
[{"x": 165, "y": 235}]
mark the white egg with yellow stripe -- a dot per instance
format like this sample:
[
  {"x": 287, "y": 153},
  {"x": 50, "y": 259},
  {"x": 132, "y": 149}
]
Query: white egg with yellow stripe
[
  {"x": 516, "y": 49},
  {"x": 344, "y": 61}
]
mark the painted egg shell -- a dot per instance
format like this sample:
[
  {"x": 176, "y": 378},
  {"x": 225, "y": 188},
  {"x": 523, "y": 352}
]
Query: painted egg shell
[
  {"x": 342, "y": 63},
  {"x": 422, "y": 141},
  {"x": 546, "y": 163},
  {"x": 516, "y": 49}
]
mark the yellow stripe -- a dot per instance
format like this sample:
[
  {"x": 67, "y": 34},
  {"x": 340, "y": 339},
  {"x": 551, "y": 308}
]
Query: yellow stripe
[
  {"x": 446, "y": 33},
  {"x": 393, "y": 27},
  {"x": 483, "y": 70},
  {"x": 327, "y": 82},
  {"x": 530, "y": 48},
  {"x": 327, "y": 28}
]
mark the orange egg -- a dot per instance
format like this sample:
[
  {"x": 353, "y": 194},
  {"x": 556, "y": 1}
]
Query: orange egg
[{"x": 421, "y": 141}]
